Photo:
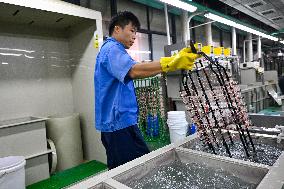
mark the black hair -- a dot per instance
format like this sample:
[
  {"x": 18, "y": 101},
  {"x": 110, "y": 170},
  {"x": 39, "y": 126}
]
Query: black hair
[{"x": 122, "y": 19}]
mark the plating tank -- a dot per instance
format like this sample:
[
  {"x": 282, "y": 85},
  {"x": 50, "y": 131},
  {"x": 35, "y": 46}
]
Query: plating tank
[{"x": 260, "y": 175}]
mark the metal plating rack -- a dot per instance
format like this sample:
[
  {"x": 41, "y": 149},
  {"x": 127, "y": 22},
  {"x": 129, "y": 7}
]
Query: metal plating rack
[{"x": 214, "y": 102}]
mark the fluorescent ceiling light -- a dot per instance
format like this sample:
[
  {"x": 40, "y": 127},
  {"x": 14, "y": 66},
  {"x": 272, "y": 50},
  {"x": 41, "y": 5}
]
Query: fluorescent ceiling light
[
  {"x": 282, "y": 42},
  {"x": 5, "y": 63},
  {"x": 239, "y": 26},
  {"x": 180, "y": 4}
]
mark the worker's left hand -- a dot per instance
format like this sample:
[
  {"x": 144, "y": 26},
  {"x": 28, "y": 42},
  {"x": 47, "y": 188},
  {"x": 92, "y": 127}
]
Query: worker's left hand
[{"x": 183, "y": 60}]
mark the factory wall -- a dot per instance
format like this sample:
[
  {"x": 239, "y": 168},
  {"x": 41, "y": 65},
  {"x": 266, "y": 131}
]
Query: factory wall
[
  {"x": 138, "y": 9},
  {"x": 34, "y": 78},
  {"x": 102, "y": 6},
  {"x": 83, "y": 55},
  {"x": 200, "y": 36},
  {"x": 227, "y": 36},
  {"x": 216, "y": 36},
  {"x": 159, "y": 41}
]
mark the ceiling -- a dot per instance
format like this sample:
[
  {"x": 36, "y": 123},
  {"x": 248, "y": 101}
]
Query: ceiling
[
  {"x": 270, "y": 12},
  {"x": 266, "y": 15},
  {"x": 27, "y": 16}
]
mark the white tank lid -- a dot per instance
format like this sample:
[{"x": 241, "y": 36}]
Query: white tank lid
[{"x": 11, "y": 161}]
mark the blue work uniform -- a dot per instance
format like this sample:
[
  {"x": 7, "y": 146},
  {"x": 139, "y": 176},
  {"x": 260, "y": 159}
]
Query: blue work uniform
[{"x": 116, "y": 109}]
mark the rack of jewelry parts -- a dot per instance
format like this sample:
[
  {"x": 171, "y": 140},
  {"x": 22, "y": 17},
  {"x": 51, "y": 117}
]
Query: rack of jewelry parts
[{"x": 222, "y": 154}]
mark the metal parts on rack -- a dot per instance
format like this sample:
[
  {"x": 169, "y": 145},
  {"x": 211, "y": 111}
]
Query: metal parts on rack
[
  {"x": 151, "y": 114},
  {"x": 214, "y": 102}
]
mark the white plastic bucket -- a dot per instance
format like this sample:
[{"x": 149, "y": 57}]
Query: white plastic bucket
[
  {"x": 176, "y": 122},
  {"x": 176, "y": 112},
  {"x": 177, "y": 125},
  {"x": 12, "y": 172},
  {"x": 178, "y": 133}
]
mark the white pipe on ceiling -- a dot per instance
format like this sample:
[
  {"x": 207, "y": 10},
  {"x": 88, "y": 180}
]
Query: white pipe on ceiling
[
  {"x": 250, "y": 47},
  {"x": 167, "y": 23},
  {"x": 185, "y": 25},
  {"x": 208, "y": 33},
  {"x": 259, "y": 47},
  {"x": 234, "y": 41}
]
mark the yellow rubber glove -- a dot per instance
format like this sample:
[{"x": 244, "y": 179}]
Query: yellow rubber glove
[{"x": 183, "y": 60}]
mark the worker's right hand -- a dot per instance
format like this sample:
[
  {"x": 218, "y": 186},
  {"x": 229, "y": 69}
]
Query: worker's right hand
[{"x": 183, "y": 60}]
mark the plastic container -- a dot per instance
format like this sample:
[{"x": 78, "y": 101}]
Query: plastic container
[
  {"x": 178, "y": 134},
  {"x": 12, "y": 172},
  {"x": 178, "y": 125},
  {"x": 191, "y": 129},
  {"x": 65, "y": 132},
  {"x": 152, "y": 129}
]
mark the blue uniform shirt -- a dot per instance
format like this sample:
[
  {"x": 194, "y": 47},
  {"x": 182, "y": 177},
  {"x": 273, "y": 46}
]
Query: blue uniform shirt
[{"x": 115, "y": 100}]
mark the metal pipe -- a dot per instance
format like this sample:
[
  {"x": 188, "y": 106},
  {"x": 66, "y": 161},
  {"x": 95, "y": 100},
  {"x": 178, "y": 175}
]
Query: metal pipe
[
  {"x": 234, "y": 41},
  {"x": 202, "y": 24},
  {"x": 113, "y": 7},
  {"x": 244, "y": 51},
  {"x": 167, "y": 23},
  {"x": 208, "y": 33},
  {"x": 185, "y": 26},
  {"x": 244, "y": 48},
  {"x": 250, "y": 48},
  {"x": 188, "y": 21},
  {"x": 259, "y": 47}
]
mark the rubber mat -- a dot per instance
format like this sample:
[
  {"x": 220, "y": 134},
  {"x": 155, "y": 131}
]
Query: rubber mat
[{"x": 70, "y": 176}]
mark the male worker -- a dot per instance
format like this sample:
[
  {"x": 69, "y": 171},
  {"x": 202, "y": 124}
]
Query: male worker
[{"x": 116, "y": 108}]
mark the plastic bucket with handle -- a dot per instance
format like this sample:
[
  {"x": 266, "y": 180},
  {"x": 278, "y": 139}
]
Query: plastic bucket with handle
[{"x": 12, "y": 172}]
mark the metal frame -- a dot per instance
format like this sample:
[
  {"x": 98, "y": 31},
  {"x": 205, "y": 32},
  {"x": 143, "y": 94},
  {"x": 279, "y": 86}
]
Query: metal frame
[
  {"x": 221, "y": 38},
  {"x": 174, "y": 30},
  {"x": 244, "y": 47},
  {"x": 150, "y": 40},
  {"x": 113, "y": 7}
]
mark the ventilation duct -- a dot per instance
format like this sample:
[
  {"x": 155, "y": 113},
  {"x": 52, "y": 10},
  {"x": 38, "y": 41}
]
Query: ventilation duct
[
  {"x": 277, "y": 18},
  {"x": 267, "y": 12},
  {"x": 256, "y": 4}
]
